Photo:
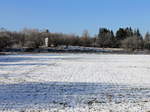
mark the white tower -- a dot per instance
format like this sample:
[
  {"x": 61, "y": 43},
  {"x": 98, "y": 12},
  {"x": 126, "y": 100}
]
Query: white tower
[{"x": 46, "y": 42}]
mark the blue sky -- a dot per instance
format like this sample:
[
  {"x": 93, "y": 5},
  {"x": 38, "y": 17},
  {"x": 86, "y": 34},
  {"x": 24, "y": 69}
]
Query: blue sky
[{"x": 74, "y": 16}]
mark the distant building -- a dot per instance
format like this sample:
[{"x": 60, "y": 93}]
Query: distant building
[{"x": 46, "y": 42}]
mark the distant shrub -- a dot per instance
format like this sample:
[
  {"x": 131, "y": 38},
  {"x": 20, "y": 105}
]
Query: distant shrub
[{"x": 132, "y": 43}]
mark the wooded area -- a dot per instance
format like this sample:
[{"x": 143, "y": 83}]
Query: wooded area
[{"x": 33, "y": 38}]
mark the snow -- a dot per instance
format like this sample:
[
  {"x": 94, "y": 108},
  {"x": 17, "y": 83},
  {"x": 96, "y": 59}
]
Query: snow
[{"x": 75, "y": 82}]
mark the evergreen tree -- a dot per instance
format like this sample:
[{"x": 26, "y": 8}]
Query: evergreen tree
[
  {"x": 122, "y": 34},
  {"x": 147, "y": 41},
  {"x": 105, "y": 38}
]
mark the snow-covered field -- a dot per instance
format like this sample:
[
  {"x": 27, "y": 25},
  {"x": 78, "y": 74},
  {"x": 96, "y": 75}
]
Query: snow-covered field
[{"x": 75, "y": 83}]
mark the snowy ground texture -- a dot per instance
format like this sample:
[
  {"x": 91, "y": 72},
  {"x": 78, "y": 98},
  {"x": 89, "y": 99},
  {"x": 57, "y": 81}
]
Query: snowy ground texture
[{"x": 74, "y": 83}]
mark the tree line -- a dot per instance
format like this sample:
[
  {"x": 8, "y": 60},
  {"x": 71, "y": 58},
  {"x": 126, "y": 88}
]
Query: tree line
[{"x": 126, "y": 38}]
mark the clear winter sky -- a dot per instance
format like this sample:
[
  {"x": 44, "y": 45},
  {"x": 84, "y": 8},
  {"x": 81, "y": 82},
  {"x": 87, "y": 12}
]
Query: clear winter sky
[{"x": 74, "y": 16}]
